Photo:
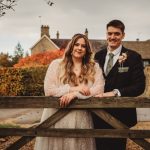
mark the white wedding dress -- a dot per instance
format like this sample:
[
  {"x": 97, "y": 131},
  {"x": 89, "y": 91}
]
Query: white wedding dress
[{"x": 75, "y": 119}]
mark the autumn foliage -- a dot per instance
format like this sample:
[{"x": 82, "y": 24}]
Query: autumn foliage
[
  {"x": 39, "y": 59},
  {"x": 22, "y": 81}
]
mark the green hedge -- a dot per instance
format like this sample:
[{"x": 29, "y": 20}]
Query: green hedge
[{"x": 22, "y": 81}]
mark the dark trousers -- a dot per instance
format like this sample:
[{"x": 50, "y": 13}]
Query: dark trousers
[
  {"x": 110, "y": 144},
  {"x": 107, "y": 143}
]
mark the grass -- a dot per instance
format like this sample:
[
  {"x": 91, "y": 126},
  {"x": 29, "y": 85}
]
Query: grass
[{"x": 9, "y": 126}]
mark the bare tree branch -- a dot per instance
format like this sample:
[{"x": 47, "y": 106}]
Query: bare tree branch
[{"x": 7, "y": 5}]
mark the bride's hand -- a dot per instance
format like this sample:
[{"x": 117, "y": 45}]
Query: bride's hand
[
  {"x": 99, "y": 95},
  {"x": 107, "y": 94},
  {"x": 84, "y": 90},
  {"x": 66, "y": 99}
]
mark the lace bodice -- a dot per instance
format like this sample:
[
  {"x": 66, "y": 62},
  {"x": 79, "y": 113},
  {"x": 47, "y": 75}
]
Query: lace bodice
[{"x": 53, "y": 87}]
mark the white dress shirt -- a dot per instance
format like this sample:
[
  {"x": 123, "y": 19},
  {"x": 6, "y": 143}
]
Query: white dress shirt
[{"x": 116, "y": 53}]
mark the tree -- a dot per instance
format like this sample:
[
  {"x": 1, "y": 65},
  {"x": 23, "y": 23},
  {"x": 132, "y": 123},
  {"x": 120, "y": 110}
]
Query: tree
[
  {"x": 19, "y": 50},
  {"x": 6, "y": 5},
  {"x": 18, "y": 53},
  {"x": 5, "y": 60}
]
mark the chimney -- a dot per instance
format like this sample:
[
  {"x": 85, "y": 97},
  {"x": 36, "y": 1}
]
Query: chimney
[
  {"x": 57, "y": 35},
  {"x": 45, "y": 30},
  {"x": 86, "y": 32}
]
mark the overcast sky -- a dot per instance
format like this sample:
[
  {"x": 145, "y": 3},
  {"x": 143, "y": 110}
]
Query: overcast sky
[{"x": 70, "y": 17}]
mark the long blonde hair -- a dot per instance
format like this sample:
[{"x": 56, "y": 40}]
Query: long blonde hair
[{"x": 67, "y": 76}]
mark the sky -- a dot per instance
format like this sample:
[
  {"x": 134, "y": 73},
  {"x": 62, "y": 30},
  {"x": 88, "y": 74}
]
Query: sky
[{"x": 69, "y": 17}]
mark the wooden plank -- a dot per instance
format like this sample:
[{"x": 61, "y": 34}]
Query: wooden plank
[
  {"x": 28, "y": 102},
  {"x": 76, "y": 133},
  {"x": 54, "y": 118},
  {"x": 48, "y": 122},
  {"x": 119, "y": 125},
  {"x": 143, "y": 143},
  {"x": 41, "y": 102},
  {"x": 53, "y": 102},
  {"x": 115, "y": 123}
]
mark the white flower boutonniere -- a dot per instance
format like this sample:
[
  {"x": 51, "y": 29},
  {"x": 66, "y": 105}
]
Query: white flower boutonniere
[{"x": 121, "y": 60}]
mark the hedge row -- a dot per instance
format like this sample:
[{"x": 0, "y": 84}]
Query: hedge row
[
  {"x": 29, "y": 81},
  {"x": 22, "y": 81}
]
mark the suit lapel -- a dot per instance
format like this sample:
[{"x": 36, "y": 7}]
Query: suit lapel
[
  {"x": 123, "y": 50},
  {"x": 103, "y": 59}
]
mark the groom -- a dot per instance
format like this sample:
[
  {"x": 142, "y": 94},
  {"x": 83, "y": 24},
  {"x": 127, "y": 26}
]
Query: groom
[{"x": 124, "y": 76}]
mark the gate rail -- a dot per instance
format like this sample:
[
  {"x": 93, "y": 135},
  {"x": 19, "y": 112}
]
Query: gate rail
[{"x": 95, "y": 105}]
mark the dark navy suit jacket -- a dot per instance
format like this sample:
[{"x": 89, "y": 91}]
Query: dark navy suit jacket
[{"x": 130, "y": 82}]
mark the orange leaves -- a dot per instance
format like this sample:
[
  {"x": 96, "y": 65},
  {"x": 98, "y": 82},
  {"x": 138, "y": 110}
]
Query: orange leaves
[{"x": 40, "y": 59}]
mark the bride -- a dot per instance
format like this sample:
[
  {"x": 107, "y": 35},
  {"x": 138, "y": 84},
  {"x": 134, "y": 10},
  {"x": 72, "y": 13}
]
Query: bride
[{"x": 74, "y": 76}]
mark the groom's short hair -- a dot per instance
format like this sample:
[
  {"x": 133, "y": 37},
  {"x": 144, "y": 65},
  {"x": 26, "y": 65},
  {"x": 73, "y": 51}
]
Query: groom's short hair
[{"x": 117, "y": 24}]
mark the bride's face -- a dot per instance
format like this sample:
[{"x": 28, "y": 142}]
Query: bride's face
[{"x": 79, "y": 49}]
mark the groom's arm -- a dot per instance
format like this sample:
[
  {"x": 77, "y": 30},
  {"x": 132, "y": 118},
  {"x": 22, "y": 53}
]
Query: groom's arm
[{"x": 137, "y": 85}]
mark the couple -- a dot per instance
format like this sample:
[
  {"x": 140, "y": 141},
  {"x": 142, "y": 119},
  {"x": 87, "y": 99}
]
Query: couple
[{"x": 78, "y": 76}]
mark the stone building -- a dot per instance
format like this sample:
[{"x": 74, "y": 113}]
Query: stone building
[
  {"x": 46, "y": 43},
  {"x": 142, "y": 47}
]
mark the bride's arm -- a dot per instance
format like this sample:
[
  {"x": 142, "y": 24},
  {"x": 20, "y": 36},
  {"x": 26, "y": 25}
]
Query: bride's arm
[
  {"x": 98, "y": 86},
  {"x": 51, "y": 83}
]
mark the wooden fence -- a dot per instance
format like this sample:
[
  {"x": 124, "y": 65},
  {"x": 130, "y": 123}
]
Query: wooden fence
[{"x": 95, "y": 105}]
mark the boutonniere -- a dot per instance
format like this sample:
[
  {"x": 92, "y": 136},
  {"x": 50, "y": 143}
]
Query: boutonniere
[{"x": 121, "y": 60}]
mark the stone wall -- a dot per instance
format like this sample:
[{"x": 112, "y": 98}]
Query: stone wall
[
  {"x": 147, "y": 89},
  {"x": 143, "y": 114},
  {"x": 42, "y": 46}
]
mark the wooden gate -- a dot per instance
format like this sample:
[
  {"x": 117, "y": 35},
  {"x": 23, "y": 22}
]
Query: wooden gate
[{"x": 95, "y": 105}]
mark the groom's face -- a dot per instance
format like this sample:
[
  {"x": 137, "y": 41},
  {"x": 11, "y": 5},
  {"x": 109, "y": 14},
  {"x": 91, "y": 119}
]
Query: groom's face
[{"x": 114, "y": 37}]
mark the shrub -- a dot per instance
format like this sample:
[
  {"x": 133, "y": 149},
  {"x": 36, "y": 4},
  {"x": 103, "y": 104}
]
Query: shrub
[{"x": 22, "y": 81}]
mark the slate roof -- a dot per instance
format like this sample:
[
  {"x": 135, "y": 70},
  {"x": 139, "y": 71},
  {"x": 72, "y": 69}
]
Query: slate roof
[
  {"x": 142, "y": 47},
  {"x": 96, "y": 44}
]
